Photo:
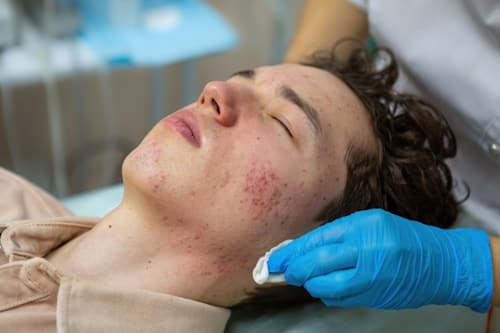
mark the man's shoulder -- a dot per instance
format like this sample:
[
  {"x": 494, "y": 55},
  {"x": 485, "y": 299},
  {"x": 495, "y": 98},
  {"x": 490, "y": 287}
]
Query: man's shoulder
[{"x": 20, "y": 200}]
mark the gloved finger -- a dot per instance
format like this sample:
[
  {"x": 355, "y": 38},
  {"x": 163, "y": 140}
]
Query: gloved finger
[
  {"x": 337, "y": 285},
  {"x": 321, "y": 261},
  {"x": 329, "y": 233}
]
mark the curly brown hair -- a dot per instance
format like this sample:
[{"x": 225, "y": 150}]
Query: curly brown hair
[{"x": 407, "y": 175}]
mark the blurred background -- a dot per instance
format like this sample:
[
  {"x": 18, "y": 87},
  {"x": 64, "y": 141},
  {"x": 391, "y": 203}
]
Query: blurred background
[{"x": 82, "y": 81}]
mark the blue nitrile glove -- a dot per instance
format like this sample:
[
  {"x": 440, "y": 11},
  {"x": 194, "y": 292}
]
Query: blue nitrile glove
[{"x": 376, "y": 259}]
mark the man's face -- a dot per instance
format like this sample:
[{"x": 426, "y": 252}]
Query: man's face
[{"x": 253, "y": 161}]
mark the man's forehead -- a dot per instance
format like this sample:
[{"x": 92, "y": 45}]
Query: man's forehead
[
  {"x": 319, "y": 87},
  {"x": 311, "y": 82},
  {"x": 293, "y": 70},
  {"x": 317, "y": 83}
]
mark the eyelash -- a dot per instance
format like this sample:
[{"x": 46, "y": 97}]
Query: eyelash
[{"x": 284, "y": 126}]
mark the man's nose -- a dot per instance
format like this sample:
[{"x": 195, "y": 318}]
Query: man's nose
[{"x": 223, "y": 99}]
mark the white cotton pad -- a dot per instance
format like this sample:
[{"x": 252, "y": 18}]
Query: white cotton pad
[{"x": 261, "y": 273}]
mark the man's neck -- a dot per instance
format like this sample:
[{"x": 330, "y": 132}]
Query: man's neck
[{"x": 127, "y": 250}]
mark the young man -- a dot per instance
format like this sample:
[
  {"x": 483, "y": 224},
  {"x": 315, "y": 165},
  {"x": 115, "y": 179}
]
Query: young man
[{"x": 265, "y": 156}]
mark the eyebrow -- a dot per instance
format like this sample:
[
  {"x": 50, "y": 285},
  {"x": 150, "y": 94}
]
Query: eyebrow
[
  {"x": 310, "y": 112},
  {"x": 291, "y": 95},
  {"x": 247, "y": 74}
]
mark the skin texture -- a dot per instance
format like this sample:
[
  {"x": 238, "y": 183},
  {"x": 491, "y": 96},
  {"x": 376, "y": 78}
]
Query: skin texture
[
  {"x": 195, "y": 218},
  {"x": 495, "y": 256},
  {"x": 322, "y": 24}
]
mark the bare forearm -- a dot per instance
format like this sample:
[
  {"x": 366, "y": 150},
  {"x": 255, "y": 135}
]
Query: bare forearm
[
  {"x": 495, "y": 254},
  {"x": 322, "y": 24}
]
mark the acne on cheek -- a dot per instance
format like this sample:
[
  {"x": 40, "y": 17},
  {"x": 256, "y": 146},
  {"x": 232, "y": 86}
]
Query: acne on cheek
[
  {"x": 260, "y": 191},
  {"x": 264, "y": 194}
]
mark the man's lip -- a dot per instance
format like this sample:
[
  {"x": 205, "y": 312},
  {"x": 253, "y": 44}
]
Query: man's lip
[{"x": 186, "y": 123}]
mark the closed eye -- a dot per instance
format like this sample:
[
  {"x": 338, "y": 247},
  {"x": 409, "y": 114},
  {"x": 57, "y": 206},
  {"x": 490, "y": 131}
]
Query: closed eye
[{"x": 283, "y": 125}]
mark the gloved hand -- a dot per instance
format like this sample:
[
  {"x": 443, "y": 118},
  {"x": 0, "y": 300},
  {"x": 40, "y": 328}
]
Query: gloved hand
[{"x": 376, "y": 259}]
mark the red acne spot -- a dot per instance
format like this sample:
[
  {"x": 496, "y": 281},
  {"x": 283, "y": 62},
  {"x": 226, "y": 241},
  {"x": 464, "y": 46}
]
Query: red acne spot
[
  {"x": 244, "y": 263},
  {"x": 261, "y": 185},
  {"x": 258, "y": 138},
  {"x": 197, "y": 237},
  {"x": 192, "y": 193},
  {"x": 180, "y": 220}
]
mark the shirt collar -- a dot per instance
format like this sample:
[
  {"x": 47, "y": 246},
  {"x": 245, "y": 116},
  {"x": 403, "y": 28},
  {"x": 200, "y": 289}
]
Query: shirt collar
[
  {"x": 87, "y": 306},
  {"x": 36, "y": 238}
]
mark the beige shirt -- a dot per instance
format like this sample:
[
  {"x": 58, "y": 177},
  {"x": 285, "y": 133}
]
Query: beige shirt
[{"x": 36, "y": 297}]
